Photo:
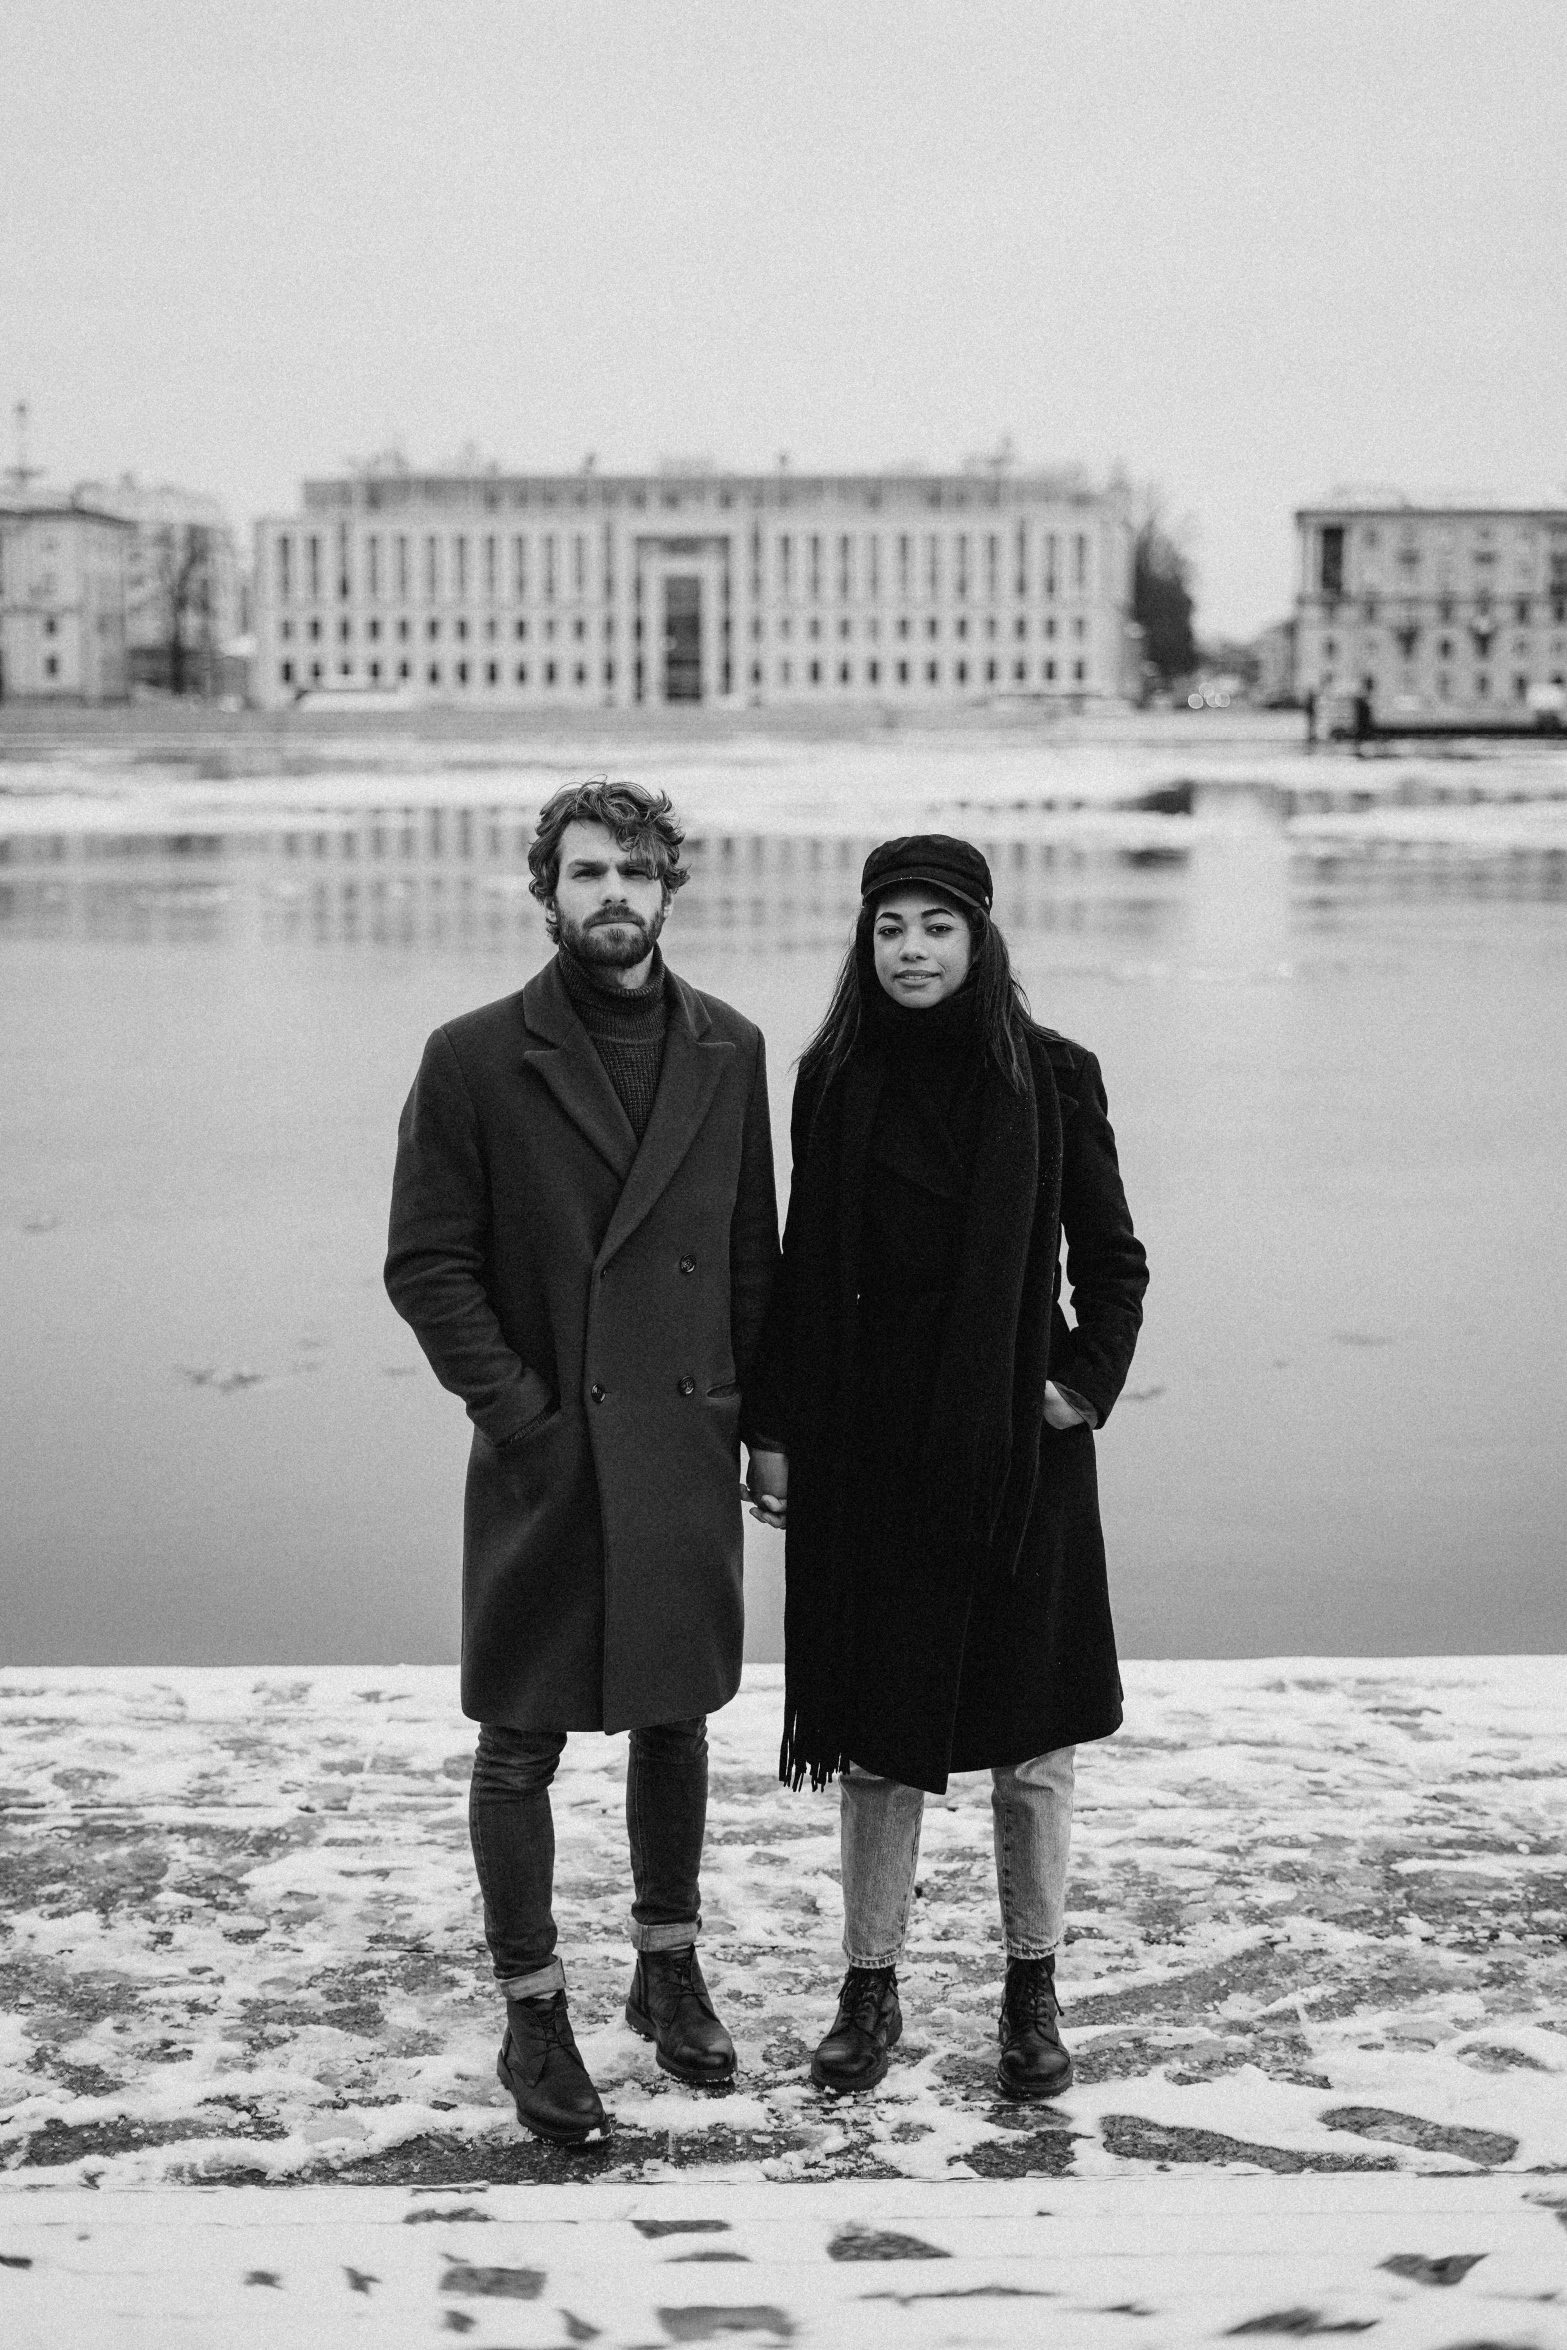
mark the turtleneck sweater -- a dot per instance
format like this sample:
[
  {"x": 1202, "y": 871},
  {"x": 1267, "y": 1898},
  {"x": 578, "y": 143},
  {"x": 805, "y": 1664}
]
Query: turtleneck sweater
[{"x": 627, "y": 1025}]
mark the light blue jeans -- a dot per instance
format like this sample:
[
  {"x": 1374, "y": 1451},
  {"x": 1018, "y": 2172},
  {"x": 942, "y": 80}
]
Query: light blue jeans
[{"x": 879, "y": 1828}]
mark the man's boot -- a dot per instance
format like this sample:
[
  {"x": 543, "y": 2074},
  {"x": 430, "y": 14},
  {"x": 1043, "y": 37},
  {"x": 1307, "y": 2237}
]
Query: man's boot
[
  {"x": 668, "y": 2004},
  {"x": 540, "y": 2065},
  {"x": 868, "y": 2024},
  {"x": 1033, "y": 2061}
]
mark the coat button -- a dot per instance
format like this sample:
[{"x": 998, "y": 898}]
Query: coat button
[
  {"x": 596, "y": 1392},
  {"x": 688, "y": 1264},
  {"x": 686, "y": 1386}
]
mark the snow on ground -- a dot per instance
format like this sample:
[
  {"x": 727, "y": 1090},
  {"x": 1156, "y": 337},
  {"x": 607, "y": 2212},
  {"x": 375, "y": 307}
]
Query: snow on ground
[
  {"x": 1318, "y": 1913},
  {"x": 1153, "y": 2263}
]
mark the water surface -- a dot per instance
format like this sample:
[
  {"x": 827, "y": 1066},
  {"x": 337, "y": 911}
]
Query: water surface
[{"x": 1341, "y": 1100}]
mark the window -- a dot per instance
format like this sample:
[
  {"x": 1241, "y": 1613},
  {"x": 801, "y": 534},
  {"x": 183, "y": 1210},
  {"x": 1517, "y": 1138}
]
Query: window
[
  {"x": 962, "y": 629},
  {"x": 373, "y": 630},
  {"x": 522, "y": 673},
  {"x": 873, "y": 672},
  {"x": 521, "y": 631},
  {"x": 432, "y": 573},
  {"x": 519, "y": 570},
  {"x": 1078, "y": 671},
  {"x": 580, "y": 674},
  {"x": 933, "y": 627},
  {"x": 375, "y": 672},
  {"x": 313, "y": 549},
  {"x": 932, "y": 673},
  {"x": 373, "y": 566},
  {"x": 345, "y": 630},
  {"x": 783, "y": 673},
  {"x": 990, "y": 673},
  {"x": 816, "y": 571},
  {"x": 489, "y": 569},
  {"x": 492, "y": 674},
  {"x": 1520, "y": 688},
  {"x": 1482, "y": 686},
  {"x": 402, "y": 632},
  {"x": 1330, "y": 560},
  {"x": 1019, "y": 671},
  {"x": 903, "y": 673},
  {"x": 1050, "y": 672},
  {"x": 51, "y": 626},
  {"x": 1523, "y": 611},
  {"x": 402, "y": 669},
  {"x": 432, "y": 629},
  {"x": 845, "y": 569},
  {"x": 434, "y": 673},
  {"x": 905, "y": 557},
  {"x": 402, "y": 566},
  {"x": 962, "y": 673},
  {"x": 843, "y": 673},
  {"x": 1080, "y": 561},
  {"x": 286, "y": 673},
  {"x": 549, "y": 673},
  {"x": 286, "y": 630},
  {"x": 549, "y": 571},
  {"x": 1050, "y": 563},
  {"x": 285, "y": 551},
  {"x": 315, "y": 631},
  {"x": 816, "y": 673}
]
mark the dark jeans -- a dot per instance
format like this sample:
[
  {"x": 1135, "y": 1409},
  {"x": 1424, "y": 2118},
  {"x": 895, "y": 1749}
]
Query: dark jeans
[{"x": 513, "y": 1831}]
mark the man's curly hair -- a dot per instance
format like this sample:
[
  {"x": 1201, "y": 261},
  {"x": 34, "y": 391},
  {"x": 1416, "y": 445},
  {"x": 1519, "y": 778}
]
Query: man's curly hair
[{"x": 639, "y": 819}]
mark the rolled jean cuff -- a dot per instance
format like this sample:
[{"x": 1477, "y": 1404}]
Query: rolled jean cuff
[
  {"x": 1032, "y": 1949},
  {"x": 541, "y": 1984},
  {"x": 876, "y": 1962},
  {"x": 679, "y": 1936}
]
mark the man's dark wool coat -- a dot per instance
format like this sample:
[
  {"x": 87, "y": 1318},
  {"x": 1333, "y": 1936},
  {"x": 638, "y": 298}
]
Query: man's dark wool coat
[
  {"x": 595, "y": 1303},
  {"x": 914, "y": 1647}
]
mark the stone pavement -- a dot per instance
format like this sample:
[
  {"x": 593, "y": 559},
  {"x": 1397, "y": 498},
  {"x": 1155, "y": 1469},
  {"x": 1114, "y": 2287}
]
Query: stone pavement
[
  {"x": 1314, "y": 1983},
  {"x": 1150, "y": 2263}
]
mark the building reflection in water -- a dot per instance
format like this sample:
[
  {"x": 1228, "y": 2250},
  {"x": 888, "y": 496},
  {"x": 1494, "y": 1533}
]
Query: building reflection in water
[{"x": 411, "y": 877}]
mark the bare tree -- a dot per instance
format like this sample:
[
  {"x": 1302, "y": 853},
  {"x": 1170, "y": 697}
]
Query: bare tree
[
  {"x": 1163, "y": 577},
  {"x": 182, "y": 571}
]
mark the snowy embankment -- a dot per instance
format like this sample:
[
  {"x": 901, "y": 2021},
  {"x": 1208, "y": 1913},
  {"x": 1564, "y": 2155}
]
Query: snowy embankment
[{"x": 1318, "y": 1916}]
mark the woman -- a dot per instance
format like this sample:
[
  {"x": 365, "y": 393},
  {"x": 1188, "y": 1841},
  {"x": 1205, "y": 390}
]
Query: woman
[{"x": 929, "y": 1410}]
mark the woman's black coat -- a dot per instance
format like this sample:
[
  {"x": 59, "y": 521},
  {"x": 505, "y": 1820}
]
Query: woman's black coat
[{"x": 912, "y": 1646}]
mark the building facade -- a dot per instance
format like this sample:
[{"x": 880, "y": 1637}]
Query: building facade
[
  {"x": 695, "y": 587},
  {"x": 184, "y": 594},
  {"x": 1445, "y": 613},
  {"x": 62, "y": 602}
]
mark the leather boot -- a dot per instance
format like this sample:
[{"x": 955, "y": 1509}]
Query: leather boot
[
  {"x": 1033, "y": 2061},
  {"x": 868, "y": 2024},
  {"x": 540, "y": 2065},
  {"x": 668, "y": 2004}
]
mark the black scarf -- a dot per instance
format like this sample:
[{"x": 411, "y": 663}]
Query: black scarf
[{"x": 981, "y": 1446}]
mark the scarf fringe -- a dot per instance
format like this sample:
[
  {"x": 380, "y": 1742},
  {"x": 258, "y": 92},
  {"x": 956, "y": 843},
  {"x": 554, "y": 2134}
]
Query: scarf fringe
[{"x": 794, "y": 1763}]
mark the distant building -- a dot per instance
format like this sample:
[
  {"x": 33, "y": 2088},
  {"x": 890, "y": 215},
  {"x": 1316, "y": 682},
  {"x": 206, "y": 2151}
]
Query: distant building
[
  {"x": 696, "y": 586},
  {"x": 62, "y": 601},
  {"x": 183, "y": 585},
  {"x": 1445, "y": 611},
  {"x": 1275, "y": 656}
]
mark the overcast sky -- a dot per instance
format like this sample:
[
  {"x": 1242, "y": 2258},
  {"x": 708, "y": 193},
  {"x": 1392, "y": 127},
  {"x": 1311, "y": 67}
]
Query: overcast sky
[{"x": 1249, "y": 248}]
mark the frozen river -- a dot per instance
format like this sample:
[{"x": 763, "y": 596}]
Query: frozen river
[{"x": 1338, "y": 1079}]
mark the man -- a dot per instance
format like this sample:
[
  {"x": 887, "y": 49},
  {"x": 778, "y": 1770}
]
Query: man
[{"x": 583, "y": 1237}]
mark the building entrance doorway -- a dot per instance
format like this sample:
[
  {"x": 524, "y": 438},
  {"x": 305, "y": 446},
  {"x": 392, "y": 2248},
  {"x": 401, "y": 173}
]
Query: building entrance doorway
[{"x": 683, "y": 636}]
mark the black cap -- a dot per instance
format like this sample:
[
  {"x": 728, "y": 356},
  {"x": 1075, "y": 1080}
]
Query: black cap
[{"x": 955, "y": 866}]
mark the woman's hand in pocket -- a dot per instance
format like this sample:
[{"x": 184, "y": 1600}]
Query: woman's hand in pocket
[{"x": 1059, "y": 1413}]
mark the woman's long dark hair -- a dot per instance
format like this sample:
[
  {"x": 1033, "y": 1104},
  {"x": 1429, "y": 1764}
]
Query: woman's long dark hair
[{"x": 1004, "y": 1017}]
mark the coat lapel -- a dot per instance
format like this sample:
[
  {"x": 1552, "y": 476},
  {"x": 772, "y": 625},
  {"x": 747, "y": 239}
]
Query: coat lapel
[
  {"x": 688, "y": 1080},
  {"x": 568, "y": 1063}
]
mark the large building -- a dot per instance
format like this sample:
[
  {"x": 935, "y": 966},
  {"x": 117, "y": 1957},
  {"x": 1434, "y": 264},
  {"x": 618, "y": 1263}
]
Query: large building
[
  {"x": 696, "y": 586},
  {"x": 62, "y": 600},
  {"x": 1446, "y": 612}
]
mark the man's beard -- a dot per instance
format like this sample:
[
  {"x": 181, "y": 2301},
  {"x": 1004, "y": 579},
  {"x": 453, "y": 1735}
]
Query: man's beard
[{"x": 611, "y": 948}]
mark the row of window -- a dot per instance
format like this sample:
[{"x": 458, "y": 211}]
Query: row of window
[
  {"x": 1407, "y": 642},
  {"x": 816, "y": 564},
  {"x": 815, "y": 673},
  {"x": 313, "y": 629},
  {"x": 1480, "y": 687}
]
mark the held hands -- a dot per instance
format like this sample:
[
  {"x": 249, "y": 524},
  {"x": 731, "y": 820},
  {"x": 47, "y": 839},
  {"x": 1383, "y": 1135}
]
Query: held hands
[
  {"x": 767, "y": 1483},
  {"x": 1058, "y": 1412}
]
